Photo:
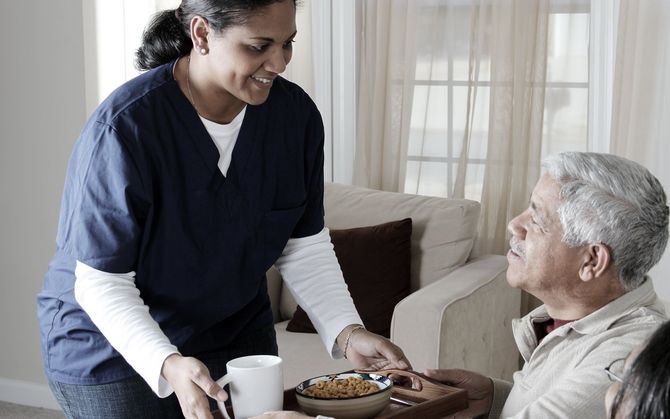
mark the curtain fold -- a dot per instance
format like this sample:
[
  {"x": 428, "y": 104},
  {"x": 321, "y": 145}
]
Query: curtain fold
[
  {"x": 516, "y": 33},
  {"x": 384, "y": 105},
  {"x": 640, "y": 108},
  {"x": 640, "y": 127},
  {"x": 497, "y": 111}
]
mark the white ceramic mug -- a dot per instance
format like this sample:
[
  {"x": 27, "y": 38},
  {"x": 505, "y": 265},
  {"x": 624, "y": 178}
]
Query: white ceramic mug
[{"x": 256, "y": 385}]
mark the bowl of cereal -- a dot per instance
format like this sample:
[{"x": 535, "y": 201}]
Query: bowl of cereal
[{"x": 345, "y": 396}]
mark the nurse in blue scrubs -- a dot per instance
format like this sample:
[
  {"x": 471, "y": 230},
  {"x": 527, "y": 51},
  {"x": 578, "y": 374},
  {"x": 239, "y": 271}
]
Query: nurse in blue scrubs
[{"x": 185, "y": 186}]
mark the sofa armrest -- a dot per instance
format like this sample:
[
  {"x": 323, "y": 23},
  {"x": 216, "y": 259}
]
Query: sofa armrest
[{"x": 462, "y": 321}]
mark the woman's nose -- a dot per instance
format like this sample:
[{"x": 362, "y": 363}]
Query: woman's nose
[{"x": 278, "y": 61}]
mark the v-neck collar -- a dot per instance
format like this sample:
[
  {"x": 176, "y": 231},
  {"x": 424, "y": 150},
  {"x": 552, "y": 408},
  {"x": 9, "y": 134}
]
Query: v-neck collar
[{"x": 250, "y": 137}]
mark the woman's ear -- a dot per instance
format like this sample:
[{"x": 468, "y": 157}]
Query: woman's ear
[
  {"x": 199, "y": 32},
  {"x": 596, "y": 261}
]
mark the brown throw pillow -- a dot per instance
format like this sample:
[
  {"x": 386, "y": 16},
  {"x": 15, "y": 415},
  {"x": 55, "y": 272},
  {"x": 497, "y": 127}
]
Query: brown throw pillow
[{"x": 375, "y": 262}]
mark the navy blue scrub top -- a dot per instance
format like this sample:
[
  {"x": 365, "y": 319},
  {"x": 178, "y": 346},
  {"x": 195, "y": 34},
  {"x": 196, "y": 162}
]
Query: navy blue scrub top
[{"x": 143, "y": 193}]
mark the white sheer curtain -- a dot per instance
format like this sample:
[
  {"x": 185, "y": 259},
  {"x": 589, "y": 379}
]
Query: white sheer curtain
[
  {"x": 386, "y": 74},
  {"x": 457, "y": 87},
  {"x": 641, "y": 97},
  {"x": 641, "y": 102},
  {"x": 517, "y": 35}
]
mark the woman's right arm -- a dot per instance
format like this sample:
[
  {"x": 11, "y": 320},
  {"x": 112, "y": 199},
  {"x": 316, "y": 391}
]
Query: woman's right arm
[{"x": 113, "y": 303}]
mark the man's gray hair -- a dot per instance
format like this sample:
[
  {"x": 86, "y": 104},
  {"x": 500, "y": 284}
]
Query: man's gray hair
[{"x": 613, "y": 201}]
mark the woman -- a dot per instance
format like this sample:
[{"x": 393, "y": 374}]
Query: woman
[
  {"x": 185, "y": 186},
  {"x": 641, "y": 385}
]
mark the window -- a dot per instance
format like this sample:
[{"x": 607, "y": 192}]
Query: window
[{"x": 441, "y": 87}]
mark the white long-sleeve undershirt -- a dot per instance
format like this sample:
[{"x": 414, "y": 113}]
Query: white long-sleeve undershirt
[
  {"x": 113, "y": 303},
  {"x": 310, "y": 269}
]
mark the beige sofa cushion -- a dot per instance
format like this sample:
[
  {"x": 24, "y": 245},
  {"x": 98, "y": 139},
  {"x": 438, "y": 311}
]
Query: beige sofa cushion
[{"x": 443, "y": 230}]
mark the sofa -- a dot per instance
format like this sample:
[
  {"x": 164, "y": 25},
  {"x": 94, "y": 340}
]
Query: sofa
[{"x": 459, "y": 309}]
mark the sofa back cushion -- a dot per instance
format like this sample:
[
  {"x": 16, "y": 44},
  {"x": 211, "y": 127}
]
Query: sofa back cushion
[{"x": 443, "y": 230}]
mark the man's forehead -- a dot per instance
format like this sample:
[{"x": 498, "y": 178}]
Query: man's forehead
[
  {"x": 545, "y": 196},
  {"x": 546, "y": 189}
]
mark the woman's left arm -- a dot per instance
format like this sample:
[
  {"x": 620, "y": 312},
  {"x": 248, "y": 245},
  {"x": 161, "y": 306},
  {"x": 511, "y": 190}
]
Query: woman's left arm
[{"x": 310, "y": 269}]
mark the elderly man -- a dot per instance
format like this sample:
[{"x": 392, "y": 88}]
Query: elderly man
[{"x": 595, "y": 225}]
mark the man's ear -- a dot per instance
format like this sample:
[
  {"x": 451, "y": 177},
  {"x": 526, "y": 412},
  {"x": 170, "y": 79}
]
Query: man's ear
[{"x": 596, "y": 260}]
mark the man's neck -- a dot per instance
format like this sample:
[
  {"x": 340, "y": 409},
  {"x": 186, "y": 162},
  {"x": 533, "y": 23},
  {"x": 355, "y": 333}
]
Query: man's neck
[{"x": 583, "y": 300}]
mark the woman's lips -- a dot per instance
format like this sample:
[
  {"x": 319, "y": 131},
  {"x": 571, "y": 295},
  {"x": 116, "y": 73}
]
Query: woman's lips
[{"x": 262, "y": 81}]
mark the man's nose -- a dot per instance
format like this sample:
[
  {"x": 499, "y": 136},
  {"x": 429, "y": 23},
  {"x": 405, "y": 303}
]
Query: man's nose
[{"x": 517, "y": 227}]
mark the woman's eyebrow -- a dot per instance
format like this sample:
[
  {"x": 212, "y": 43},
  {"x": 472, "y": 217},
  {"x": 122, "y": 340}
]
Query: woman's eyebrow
[{"x": 269, "y": 39}]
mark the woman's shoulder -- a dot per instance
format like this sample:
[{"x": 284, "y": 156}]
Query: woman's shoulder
[
  {"x": 144, "y": 89},
  {"x": 286, "y": 91}
]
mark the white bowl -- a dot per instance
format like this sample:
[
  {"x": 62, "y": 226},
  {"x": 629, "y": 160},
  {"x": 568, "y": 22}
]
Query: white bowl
[{"x": 357, "y": 407}]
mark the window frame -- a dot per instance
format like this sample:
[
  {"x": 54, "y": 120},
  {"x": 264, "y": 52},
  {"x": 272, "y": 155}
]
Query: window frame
[{"x": 450, "y": 160}]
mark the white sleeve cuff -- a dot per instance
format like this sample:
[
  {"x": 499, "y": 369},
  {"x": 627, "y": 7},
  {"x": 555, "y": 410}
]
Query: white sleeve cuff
[
  {"x": 113, "y": 303},
  {"x": 310, "y": 269}
]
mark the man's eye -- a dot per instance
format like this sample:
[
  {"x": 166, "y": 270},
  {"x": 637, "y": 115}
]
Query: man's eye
[
  {"x": 535, "y": 223},
  {"x": 289, "y": 44}
]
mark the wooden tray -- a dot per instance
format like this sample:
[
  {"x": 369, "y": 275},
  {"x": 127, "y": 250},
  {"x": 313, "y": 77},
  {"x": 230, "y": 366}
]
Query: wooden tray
[{"x": 435, "y": 400}]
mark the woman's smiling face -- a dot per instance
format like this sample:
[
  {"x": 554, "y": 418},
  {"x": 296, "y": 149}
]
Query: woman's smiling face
[{"x": 244, "y": 60}]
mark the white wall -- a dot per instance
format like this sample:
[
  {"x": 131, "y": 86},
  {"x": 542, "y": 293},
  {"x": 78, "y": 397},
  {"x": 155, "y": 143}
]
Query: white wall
[{"x": 41, "y": 113}]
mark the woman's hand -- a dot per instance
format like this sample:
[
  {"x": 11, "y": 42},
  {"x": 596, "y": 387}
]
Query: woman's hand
[
  {"x": 282, "y": 415},
  {"x": 479, "y": 388},
  {"x": 371, "y": 351},
  {"x": 192, "y": 384}
]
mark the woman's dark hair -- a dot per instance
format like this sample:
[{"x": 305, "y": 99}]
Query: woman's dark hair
[
  {"x": 645, "y": 391},
  {"x": 167, "y": 36}
]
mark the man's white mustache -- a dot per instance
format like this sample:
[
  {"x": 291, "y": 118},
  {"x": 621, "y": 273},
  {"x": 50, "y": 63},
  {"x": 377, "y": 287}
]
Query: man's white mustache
[{"x": 516, "y": 247}]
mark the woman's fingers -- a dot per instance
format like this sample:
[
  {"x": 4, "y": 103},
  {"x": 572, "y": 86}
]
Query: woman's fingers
[
  {"x": 203, "y": 380},
  {"x": 194, "y": 404},
  {"x": 392, "y": 353},
  {"x": 192, "y": 384},
  {"x": 369, "y": 350}
]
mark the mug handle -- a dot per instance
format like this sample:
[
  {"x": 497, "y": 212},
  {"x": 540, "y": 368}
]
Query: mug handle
[{"x": 223, "y": 381}]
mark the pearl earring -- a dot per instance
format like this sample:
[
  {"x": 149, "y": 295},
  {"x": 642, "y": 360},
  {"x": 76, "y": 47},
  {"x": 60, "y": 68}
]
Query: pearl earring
[{"x": 203, "y": 51}]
